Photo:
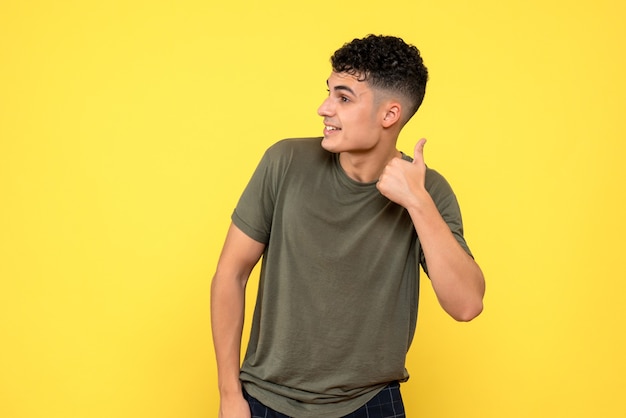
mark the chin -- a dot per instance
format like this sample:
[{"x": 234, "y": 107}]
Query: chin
[{"x": 329, "y": 145}]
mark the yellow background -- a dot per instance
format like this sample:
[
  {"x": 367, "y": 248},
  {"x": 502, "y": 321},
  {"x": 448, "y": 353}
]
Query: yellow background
[{"x": 129, "y": 128}]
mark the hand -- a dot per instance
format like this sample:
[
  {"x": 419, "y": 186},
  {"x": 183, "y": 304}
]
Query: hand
[
  {"x": 402, "y": 182},
  {"x": 235, "y": 407}
]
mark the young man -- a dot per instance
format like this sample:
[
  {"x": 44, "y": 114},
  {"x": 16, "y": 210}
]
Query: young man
[{"x": 343, "y": 223}]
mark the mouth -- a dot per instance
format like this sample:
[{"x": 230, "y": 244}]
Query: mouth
[{"x": 328, "y": 129}]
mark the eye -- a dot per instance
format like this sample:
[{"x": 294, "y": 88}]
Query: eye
[{"x": 344, "y": 99}]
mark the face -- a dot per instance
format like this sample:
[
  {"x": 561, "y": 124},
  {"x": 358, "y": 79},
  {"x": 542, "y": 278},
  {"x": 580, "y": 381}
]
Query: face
[{"x": 351, "y": 115}]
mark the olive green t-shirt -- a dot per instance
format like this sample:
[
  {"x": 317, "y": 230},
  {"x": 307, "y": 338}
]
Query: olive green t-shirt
[{"x": 337, "y": 301}]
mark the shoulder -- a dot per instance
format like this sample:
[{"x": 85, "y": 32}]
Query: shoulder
[
  {"x": 436, "y": 184},
  {"x": 291, "y": 146},
  {"x": 293, "y": 155},
  {"x": 295, "y": 151}
]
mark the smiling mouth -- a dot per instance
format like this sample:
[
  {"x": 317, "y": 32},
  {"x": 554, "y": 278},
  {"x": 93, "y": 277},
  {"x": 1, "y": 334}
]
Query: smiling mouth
[{"x": 331, "y": 128}]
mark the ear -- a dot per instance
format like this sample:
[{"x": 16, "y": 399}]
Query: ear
[{"x": 392, "y": 114}]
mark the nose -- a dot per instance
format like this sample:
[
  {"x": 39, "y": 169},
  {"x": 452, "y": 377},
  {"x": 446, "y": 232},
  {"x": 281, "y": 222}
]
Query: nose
[{"x": 325, "y": 108}]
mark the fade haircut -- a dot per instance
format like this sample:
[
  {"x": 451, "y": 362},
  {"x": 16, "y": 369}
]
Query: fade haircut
[{"x": 387, "y": 63}]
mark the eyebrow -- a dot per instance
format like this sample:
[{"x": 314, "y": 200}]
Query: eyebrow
[{"x": 342, "y": 88}]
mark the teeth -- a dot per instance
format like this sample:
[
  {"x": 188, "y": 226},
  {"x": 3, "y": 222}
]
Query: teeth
[{"x": 331, "y": 128}]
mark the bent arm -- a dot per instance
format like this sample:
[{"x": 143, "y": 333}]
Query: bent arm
[
  {"x": 456, "y": 278},
  {"x": 239, "y": 256}
]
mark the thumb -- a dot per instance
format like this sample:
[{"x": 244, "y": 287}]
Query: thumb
[{"x": 418, "y": 152}]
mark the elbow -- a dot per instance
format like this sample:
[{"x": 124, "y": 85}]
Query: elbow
[
  {"x": 472, "y": 305},
  {"x": 464, "y": 310},
  {"x": 468, "y": 313}
]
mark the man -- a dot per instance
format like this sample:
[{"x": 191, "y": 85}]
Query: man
[{"x": 343, "y": 223}]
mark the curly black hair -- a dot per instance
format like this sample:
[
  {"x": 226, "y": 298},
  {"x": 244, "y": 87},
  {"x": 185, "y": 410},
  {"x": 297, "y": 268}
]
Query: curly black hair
[{"x": 385, "y": 62}]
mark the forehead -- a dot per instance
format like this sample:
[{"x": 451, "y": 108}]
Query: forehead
[{"x": 354, "y": 82}]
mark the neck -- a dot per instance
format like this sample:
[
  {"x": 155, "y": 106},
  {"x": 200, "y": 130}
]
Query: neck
[{"x": 366, "y": 167}]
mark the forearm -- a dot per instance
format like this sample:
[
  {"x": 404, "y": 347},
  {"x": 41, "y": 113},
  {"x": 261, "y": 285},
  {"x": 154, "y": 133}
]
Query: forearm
[
  {"x": 456, "y": 278},
  {"x": 227, "y": 317},
  {"x": 228, "y": 291}
]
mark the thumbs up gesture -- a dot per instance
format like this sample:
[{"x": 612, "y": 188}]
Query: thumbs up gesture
[{"x": 402, "y": 182}]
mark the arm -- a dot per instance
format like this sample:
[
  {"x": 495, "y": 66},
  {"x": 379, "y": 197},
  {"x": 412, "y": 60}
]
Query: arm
[
  {"x": 239, "y": 256},
  {"x": 456, "y": 278}
]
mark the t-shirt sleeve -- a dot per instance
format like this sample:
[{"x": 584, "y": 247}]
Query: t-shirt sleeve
[
  {"x": 254, "y": 211},
  {"x": 448, "y": 206}
]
